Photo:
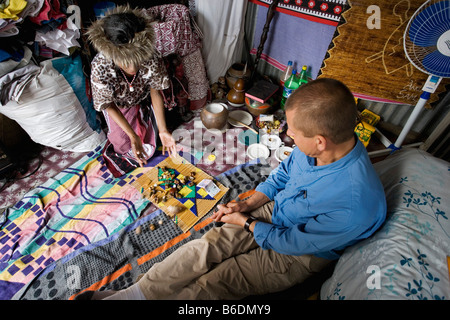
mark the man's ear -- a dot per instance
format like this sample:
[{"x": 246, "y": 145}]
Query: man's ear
[{"x": 321, "y": 142}]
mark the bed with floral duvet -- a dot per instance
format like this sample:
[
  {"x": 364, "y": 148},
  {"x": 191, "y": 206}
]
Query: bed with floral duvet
[{"x": 408, "y": 258}]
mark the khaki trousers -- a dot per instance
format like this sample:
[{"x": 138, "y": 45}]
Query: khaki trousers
[{"x": 227, "y": 263}]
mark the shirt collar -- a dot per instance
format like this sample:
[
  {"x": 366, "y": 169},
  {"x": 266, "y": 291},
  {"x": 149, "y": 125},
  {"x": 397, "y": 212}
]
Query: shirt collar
[{"x": 349, "y": 158}]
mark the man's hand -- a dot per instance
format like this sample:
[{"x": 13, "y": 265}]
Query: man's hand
[
  {"x": 228, "y": 209},
  {"x": 236, "y": 218},
  {"x": 232, "y": 213}
]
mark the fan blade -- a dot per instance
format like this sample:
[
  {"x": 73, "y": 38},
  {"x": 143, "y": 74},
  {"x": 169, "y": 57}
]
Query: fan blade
[
  {"x": 426, "y": 28},
  {"x": 437, "y": 64}
]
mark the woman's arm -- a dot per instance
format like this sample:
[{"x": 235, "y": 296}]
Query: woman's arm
[
  {"x": 136, "y": 142},
  {"x": 166, "y": 137}
]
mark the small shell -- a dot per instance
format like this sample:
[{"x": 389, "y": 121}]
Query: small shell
[
  {"x": 152, "y": 227},
  {"x": 138, "y": 230},
  {"x": 173, "y": 210}
]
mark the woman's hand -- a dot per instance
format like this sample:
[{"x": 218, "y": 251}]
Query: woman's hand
[
  {"x": 135, "y": 141},
  {"x": 138, "y": 150},
  {"x": 168, "y": 143}
]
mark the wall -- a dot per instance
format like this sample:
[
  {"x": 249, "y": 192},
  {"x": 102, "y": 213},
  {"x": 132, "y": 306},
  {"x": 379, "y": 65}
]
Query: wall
[{"x": 393, "y": 114}]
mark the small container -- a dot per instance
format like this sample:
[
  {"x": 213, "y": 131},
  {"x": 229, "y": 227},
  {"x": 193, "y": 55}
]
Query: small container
[
  {"x": 258, "y": 150},
  {"x": 214, "y": 116}
]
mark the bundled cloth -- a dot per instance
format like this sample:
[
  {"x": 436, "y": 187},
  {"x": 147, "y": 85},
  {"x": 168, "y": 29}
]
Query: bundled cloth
[
  {"x": 13, "y": 12},
  {"x": 177, "y": 33},
  {"x": 13, "y": 83},
  {"x": 50, "y": 103}
]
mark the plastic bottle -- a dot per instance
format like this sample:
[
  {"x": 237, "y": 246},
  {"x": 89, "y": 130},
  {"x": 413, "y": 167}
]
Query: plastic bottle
[
  {"x": 303, "y": 77},
  {"x": 286, "y": 73},
  {"x": 289, "y": 86}
]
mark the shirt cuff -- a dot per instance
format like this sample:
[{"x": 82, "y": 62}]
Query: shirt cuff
[{"x": 261, "y": 232}]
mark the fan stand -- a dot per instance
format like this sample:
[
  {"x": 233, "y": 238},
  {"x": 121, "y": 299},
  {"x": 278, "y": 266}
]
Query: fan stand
[
  {"x": 429, "y": 88},
  {"x": 411, "y": 120}
]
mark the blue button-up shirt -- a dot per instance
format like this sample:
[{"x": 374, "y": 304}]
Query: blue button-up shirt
[{"x": 321, "y": 210}]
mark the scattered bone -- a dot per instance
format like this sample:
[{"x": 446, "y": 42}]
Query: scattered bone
[{"x": 138, "y": 230}]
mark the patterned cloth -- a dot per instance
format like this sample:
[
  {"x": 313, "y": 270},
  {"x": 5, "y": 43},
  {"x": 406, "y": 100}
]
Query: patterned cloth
[
  {"x": 175, "y": 35},
  {"x": 84, "y": 220},
  {"x": 173, "y": 30},
  {"x": 324, "y": 11},
  {"x": 116, "y": 262},
  {"x": 48, "y": 164},
  {"x": 79, "y": 206}
]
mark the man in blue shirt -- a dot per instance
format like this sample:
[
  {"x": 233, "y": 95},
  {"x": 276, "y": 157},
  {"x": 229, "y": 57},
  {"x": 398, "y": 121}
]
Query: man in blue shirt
[
  {"x": 326, "y": 194},
  {"x": 324, "y": 197}
]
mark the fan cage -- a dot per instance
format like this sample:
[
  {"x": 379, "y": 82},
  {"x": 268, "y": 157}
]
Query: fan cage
[{"x": 429, "y": 22}]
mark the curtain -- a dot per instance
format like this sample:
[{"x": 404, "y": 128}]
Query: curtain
[{"x": 222, "y": 23}]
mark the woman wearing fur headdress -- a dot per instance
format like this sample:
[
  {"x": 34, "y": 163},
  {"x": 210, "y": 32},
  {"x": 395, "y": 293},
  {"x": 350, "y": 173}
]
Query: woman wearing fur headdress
[{"x": 127, "y": 76}]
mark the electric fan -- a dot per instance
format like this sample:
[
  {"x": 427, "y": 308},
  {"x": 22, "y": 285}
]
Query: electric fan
[{"x": 427, "y": 45}]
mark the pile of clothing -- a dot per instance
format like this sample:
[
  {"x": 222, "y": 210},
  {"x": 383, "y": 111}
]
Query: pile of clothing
[
  {"x": 51, "y": 29},
  {"x": 49, "y": 20},
  {"x": 49, "y": 100},
  {"x": 13, "y": 12}
]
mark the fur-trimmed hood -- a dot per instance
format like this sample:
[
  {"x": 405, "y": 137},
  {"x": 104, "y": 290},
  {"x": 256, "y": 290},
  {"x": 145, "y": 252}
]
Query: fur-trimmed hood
[{"x": 138, "y": 50}]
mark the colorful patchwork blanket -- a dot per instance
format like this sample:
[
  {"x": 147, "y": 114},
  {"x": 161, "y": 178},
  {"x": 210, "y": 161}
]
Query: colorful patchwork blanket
[
  {"x": 81, "y": 205},
  {"x": 78, "y": 231}
]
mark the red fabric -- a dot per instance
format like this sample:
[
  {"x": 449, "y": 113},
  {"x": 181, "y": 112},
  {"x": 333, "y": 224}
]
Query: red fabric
[
  {"x": 50, "y": 10},
  {"x": 323, "y": 11}
]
